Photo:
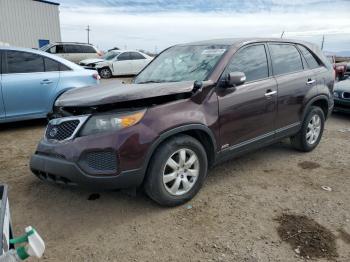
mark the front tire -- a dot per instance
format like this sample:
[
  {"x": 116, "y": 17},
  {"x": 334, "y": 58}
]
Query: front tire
[
  {"x": 177, "y": 171},
  {"x": 311, "y": 131},
  {"x": 105, "y": 73}
]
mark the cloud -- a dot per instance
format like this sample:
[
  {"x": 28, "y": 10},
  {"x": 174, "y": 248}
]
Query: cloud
[{"x": 126, "y": 23}]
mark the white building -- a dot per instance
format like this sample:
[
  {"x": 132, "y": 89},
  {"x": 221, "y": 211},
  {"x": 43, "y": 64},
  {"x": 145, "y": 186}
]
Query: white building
[{"x": 29, "y": 23}]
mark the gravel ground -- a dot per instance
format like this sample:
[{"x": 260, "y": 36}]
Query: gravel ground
[{"x": 233, "y": 218}]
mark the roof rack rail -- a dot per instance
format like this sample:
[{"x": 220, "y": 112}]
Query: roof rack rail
[{"x": 62, "y": 42}]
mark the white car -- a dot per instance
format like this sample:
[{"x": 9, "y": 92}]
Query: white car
[
  {"x": 119, "y": 62},
  {"x": 73, "y": 52}
]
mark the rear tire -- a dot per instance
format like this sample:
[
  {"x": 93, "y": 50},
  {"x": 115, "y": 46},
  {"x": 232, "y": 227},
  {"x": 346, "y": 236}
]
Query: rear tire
[
  {"x": 311, "y": 131},
  {"x": 105, "y": 73},
  {"x": 177, "y": 171}
]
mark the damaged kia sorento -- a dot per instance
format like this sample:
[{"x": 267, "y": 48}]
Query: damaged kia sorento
[{"x": 193, "y": 106}]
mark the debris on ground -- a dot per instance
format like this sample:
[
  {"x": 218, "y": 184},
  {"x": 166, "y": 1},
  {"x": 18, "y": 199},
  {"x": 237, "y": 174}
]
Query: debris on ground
[
  {"x": 309, "y": 165},
  {"x": 94, "y": 196},
  {"x": 189, "y": 206},
  {"x": 327, "y": 188},
  {"x": 344, "y": 130},
  {"x": 307, "y": 238}
]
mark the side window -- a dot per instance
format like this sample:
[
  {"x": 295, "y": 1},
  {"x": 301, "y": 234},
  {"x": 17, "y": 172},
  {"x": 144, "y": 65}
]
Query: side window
[
  {"x": 63, "y": 67},
  {"x": 51, "y": 65},
  {"x": 72, "y": 49},
  {"x": 310, "y": 59},
  {"x": 124, "y": 56},
  {"x": 136, "y": 56},
  {"x": 22, "y": 62},
  {"x": 58, "y": 49},
  {"x": 252, "y": 61},
  {"x": 88, "y": 49},
  {"x": 285, "y": 59}
]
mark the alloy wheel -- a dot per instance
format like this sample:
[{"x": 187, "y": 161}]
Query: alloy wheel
[
  {"x": 181, "y": 172},
  {"x": 313, "y": 129}
]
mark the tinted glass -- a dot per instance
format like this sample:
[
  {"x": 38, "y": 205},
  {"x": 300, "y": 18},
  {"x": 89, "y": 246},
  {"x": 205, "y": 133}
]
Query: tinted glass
[
  {"x": 59, "y": 49},
  {"x": 64, "y": 68},
  {"x": 88, "y": 49},
  {"x": 252, "y": 61},
  {"x": 136, "y": 56},
  {"x": 21, "y": 62},
  {"x": 124, "y": 56},
  {"x": 73, "y": 49},
  {"x": 285, "y": 59},
  {"x": 51, "y": 65},
  {"x": 310, "y": 59}
]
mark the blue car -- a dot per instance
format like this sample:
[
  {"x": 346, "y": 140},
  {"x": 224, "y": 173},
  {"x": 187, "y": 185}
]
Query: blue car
[{"x": 32, "y": 80}]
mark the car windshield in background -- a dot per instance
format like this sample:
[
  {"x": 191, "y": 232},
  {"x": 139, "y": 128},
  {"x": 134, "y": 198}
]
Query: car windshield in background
[
  {"x": 182, "y": 63},
  {"x": 111, "y": 55}
]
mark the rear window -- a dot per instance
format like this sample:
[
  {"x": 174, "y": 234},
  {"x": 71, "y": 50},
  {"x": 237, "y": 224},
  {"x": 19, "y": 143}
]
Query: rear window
[
  {"x": 310, "y": 59},
  {"x": 285, "y": 59},
  {"x": 22, "y": 62}
]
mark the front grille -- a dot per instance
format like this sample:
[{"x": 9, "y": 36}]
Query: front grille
[
  {"x": 62, "y": 130},
  {"x": 102, "y": 160},
  {"x": 346, "y": 95}
]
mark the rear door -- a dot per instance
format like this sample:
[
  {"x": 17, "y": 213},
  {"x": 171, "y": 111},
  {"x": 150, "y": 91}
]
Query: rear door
[
  {"x": 2, "y": 107},
  {"x": 138, "y": 62},
  {"x": 26, "y": 87},
  {"x": 293, "y": 84}
]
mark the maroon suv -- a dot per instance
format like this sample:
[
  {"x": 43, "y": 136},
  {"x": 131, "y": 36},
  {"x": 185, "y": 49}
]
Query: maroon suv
[{"x": 192, "y": 107}]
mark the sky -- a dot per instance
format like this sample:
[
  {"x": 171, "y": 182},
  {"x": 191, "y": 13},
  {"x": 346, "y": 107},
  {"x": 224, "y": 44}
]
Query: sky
[{"x": 156, "y": 24}]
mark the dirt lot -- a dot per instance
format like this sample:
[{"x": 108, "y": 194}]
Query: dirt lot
[{"x": 233, "y": 218}]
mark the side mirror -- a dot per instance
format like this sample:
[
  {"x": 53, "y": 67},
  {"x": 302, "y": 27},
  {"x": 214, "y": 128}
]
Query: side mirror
[{"x": 235, "y": 79}]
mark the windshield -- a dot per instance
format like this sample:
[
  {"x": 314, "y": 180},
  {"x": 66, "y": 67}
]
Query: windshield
[
  {"x": 182, "y": 63},
  {"x": 110, "y": 55}
]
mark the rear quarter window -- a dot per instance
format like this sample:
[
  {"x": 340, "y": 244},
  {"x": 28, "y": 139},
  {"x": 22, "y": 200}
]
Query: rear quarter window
[
  {"x": 309, "y": 57},
  {"x": 285, "y": 59}
]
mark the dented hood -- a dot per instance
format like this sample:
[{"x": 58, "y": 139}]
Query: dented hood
[{"x": 110, "y": 93}]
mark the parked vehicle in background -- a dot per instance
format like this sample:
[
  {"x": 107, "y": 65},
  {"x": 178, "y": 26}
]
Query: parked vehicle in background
[
  {"x": 92, "y": 62},
  {"x": 342, "y": 96},
  {"x": 125, "y": 62},
  {"x": 340, "y": 68},
  {"x": 73, "y": 52},
  {"x": 194, "y": 106},
  {"x": 31, "y": 81}
]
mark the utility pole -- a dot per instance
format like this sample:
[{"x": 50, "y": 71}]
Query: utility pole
[
  {"x": 282, "y": 34},
  {"x": 322, "y": 42},
  {"x": 88, "y": 33}
]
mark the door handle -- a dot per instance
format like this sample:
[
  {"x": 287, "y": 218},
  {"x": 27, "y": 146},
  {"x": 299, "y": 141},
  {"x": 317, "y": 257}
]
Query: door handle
[
  {"x": 310, "y": 82},
  {"x": 46, "y": 82},
  {"x": 270, "y": 93}
]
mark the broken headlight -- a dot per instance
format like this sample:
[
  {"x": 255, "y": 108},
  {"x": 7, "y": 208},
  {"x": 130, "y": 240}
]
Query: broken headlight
[{"x": 111, "y": 122}]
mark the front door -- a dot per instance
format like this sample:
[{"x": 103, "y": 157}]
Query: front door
[
  {"x": 123, "y": 65},
  {"x": 26, "y": 87},
  {"x": 247, "y": 112}
]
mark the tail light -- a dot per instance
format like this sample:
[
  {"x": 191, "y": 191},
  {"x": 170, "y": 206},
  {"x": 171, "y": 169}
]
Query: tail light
[{"x": 96, "y": 76}]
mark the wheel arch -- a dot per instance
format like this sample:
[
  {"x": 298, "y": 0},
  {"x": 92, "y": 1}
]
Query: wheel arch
[
  {"x": 198, "y": 131},
  {"x": 321, "y": 101}
]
